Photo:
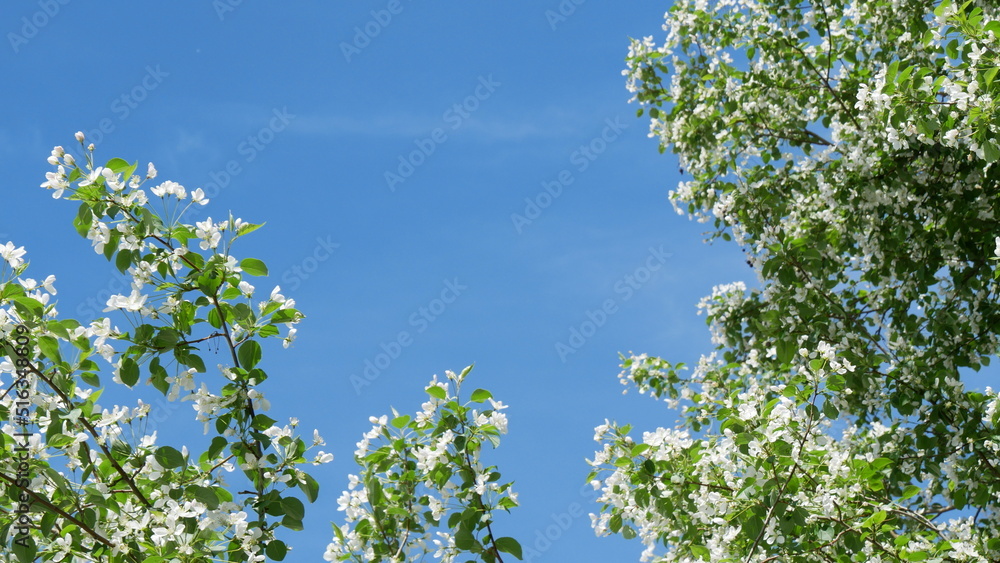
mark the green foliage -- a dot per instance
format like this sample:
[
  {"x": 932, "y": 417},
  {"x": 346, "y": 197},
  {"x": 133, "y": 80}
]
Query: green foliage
[
  {"x": 85, "y": 483},
  {"x": 849, "y": 149},
  {"x": 422, "y": 487}
]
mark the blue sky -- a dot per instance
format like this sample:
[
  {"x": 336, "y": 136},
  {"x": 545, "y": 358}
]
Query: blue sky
[{"x": 478, "y": 153}]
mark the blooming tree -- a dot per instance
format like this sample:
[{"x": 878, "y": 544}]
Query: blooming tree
[
  {"x": 850, "y": 149},
  {"x": 424, "y": 489},
  {"x": 79, "y": 482}
]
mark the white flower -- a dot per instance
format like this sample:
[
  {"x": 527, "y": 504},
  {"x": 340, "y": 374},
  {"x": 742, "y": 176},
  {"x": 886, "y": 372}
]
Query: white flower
[
  {"x": 481, "y": 483},
  {"x": 79, "y": 136},
  {"x": 499, "y": 421},
  {"x": 208, "y": 233},
  {"x": 134, "y": 302},
  {"x": 290, "y": 338},
  {"x": 12, "y": 255},
  {"x": 198, "y": 196},
  {"x": 246, "y": 289},
  {"x": 113, "y": 180},
  {"x": 92, "y": 176},
  {"x": 30, "y": 284},
  {"x": 56, "y": 181},
  {"x": 169, "y": 188},
  {"x": 150, "y": 171}
]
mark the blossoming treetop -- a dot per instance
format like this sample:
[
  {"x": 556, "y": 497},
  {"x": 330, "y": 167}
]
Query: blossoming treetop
[{"x": 850, "y": 148}]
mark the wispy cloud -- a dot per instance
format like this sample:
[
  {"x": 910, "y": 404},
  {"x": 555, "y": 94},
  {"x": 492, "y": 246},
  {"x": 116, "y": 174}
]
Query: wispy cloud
[{"x": 537, "y": 125}]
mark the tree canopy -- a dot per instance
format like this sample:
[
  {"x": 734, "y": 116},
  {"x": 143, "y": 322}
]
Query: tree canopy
[{"x": 849, "y": 148}]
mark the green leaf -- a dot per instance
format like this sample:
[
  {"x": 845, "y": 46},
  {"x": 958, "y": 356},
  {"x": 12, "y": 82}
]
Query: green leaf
[
  {"x": 50, "y": 348},
  {"x": 285, "y": 316},
  {"x": 119, "y": 166},
  {"x": 189, "y": 359},
  {"x": 480, "y": 395},
  {"x": 276, "y": 549},
  {"x": 26, "y": 551},
  {"x": 991, "y": 73},
  {"x": 835, "y": 382},
  {"x": 84, "y": 219},
  {"x": 247, "y": 228},
  {"x": 165, "y": 339},
  {"x": 262, "y": 422},
  {"x": 913, "y": 555},
  {"x": 830, "y": 411},
  {"x": 786, "y": 351},
  {"x": 509, "y": 545},
  {"x": 205, "y": 495},
  {"x": 292, "y": 523},
  {"x": 464, "y": 540},
  {"x": 129, "y": 372},
  {"x": 990, "y": 151},
  {"x": 309, "y": 487},
  {"x": 401, "y": 421},
  {"x": 293, "y": 507},
  {"x": 253, "y": 266},
  {"x": 753, "y": 526},
  {"x": 701, "y": 552},
  {"x": 218, "y": 444},
  {"x": 249, "y": 353},
  {"x": 437, "y": 392},
  {"x": 168, "y": 457},
  {"x": 27, "y": 307},
  {"x": 910, "y": 491},
  {"x": 615, "y": 523},
  {"x": 881, "y": 463},
  {"x": 158, "y": 376},
  {"x": 123, "y": 260}
]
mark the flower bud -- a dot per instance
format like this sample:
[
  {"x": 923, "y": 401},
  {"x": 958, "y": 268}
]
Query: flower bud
[
  {"x": 79, "y": 136},
  {"x": 53, "y": 160},
  {"x": 69, "y": 159}
]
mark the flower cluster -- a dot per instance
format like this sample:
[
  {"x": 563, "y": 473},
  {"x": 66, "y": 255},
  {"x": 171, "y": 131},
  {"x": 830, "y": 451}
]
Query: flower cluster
[
  {"x": 109, "y": 489},
  {"x": 850, "y": 149},
  {"x": 423, "y": 489}
]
